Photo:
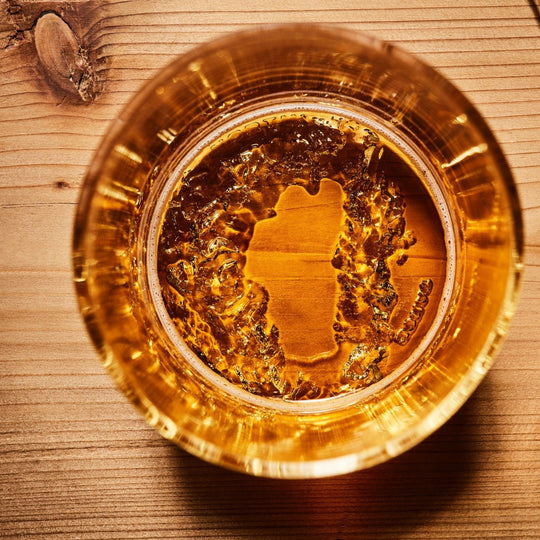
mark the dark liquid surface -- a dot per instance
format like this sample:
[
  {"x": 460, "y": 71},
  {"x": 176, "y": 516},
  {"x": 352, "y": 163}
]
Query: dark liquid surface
[{"x": 302, "y": 261}]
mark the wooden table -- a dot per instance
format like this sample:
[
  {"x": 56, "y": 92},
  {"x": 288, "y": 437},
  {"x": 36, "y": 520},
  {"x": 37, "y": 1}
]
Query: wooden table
[{"x": 76, "y": 460}]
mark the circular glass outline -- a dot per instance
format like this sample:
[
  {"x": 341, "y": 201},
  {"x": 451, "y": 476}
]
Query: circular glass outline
[{"x": 363, "y": 458}]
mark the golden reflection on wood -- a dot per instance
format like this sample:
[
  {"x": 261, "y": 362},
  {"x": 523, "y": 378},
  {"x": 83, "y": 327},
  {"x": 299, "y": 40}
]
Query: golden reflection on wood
[{"x": 290, "y": 255}]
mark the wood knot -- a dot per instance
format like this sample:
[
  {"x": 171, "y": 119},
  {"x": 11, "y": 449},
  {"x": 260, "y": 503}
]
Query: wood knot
[
  {"x": 65, "y": 62},
  {"x": 61, "y": 184}
]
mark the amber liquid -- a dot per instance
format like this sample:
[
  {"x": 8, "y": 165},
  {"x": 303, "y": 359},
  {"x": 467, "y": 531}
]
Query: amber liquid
[{"x": 303, "y": 256}]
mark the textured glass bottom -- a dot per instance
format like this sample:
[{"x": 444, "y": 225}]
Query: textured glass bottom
[{"x": 302, "y": 254}]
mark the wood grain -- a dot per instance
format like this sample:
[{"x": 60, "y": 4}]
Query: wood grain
[{"x": 76, "y": 461}]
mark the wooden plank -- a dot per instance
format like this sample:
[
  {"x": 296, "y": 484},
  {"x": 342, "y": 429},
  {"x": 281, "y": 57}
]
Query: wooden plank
[{"x": 76, "y": 460}]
